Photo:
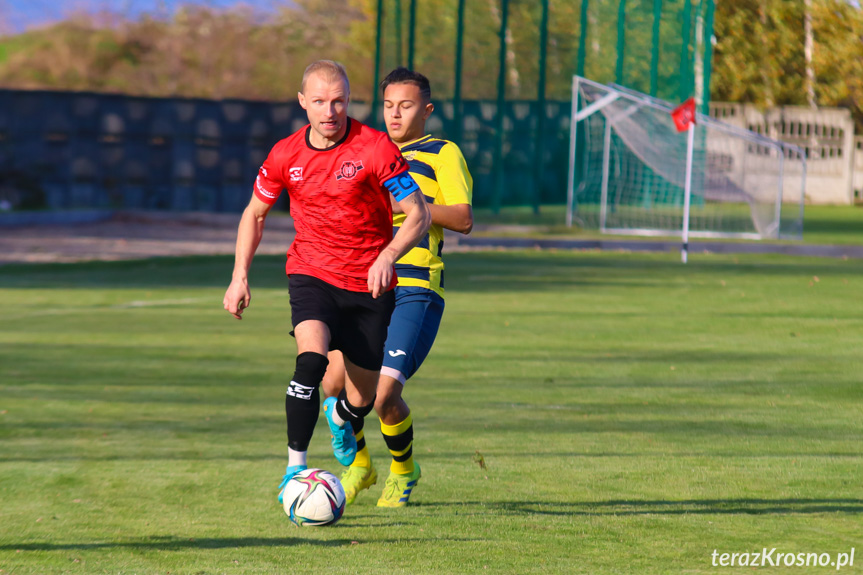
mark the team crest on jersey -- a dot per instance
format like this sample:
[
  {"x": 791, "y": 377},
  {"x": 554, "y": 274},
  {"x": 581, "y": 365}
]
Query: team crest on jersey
[
  {"x": 296, "y": 174},
  {"x": 349, "y": 169},
  {"x": 410, "y": 156}
]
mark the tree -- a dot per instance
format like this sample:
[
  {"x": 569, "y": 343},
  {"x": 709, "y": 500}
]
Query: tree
[{"x": 760, "y": 55}]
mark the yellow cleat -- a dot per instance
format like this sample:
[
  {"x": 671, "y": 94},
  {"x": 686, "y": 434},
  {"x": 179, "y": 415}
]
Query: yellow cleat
[
  {"x": 355, "y": 479},
  {"x": 398, "y": 487}
]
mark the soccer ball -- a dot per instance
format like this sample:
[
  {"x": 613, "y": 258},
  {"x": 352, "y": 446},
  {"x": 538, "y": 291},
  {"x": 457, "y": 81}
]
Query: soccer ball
[{"x": 314, "y": 497}]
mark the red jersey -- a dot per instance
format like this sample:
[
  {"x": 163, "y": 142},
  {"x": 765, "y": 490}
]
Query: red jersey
[{"x": 339, "y": 201}]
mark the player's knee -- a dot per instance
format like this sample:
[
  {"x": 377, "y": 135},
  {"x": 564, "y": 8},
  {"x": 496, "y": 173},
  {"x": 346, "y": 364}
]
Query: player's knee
[
  {"x": 308, "y": 373},
  {"x": 351, "y": 412},
  {"x": 389, "y": 390},
  {"x": 334, "y": 378},
  {"x": 387, "y": 398},
  {"x": 332, "y": 384}
]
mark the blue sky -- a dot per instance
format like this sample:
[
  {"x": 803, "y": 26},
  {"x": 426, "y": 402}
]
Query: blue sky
[{"x": 18, "y": 15}]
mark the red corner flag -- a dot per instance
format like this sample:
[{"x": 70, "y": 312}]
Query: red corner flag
[{"x": 683, "y": 115}]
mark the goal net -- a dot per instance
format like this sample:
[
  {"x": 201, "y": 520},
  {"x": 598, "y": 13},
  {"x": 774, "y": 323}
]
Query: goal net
[{"x": 628, "y": 169}]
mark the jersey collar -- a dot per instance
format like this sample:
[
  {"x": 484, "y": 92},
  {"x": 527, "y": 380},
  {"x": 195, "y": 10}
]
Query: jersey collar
[
  {"x": 334, "y": 146},
  {"x": 410, "y": 145}
]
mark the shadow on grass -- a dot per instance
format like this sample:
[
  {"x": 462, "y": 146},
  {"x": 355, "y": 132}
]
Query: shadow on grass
[
  {"x": 623, "y": 507},
  {"x": 466, "y": 272},
  {"x": 448, "y": 456},
  {"x": 815, "y": 228},
  {"x": 174, "y": 543},
  {"x": 723, "y": 426}
]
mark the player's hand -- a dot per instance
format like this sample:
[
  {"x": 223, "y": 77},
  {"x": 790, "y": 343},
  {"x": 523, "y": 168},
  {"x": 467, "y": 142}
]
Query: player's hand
[
  {"x": 381, "y": 273},
  {"x": 237, "y": 298}
]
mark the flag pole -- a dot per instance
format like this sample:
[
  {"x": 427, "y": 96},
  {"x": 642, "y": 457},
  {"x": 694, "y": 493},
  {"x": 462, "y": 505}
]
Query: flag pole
[{"x": 687, "y": 190}]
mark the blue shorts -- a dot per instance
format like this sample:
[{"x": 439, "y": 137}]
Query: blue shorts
[{"x": 413, "y": 328}]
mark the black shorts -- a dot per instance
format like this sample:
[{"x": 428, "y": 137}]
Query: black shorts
[{"x": 358, "y": 323}]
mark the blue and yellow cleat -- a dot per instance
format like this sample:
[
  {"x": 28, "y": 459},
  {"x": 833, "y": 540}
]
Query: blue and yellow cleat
[
  {"x": 344, "y": 442},
  {"x": 398, "y": 488},
  {"x": 290, "y": 471}
]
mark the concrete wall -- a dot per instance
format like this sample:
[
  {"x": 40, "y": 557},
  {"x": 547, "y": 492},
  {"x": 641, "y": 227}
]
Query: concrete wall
[
  {"x": 858, "y": 169},
  {"x": 834, "y": 166}
]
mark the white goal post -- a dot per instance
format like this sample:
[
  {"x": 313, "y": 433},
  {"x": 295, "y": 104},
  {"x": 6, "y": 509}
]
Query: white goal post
[{"x": 631, "y": 172}]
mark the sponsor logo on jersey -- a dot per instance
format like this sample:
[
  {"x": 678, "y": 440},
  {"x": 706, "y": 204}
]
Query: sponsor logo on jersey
[
  {"x": 296, "y": 174},
  {"x": 398, "y": 163},
  {"x": 349, "y": 169},
  {"x": 262, "y": 190}
]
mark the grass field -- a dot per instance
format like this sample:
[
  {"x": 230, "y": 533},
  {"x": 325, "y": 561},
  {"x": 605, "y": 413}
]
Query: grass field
[
  {"x": 821, "y": 224},
  {"x": 580, "y": 413}
]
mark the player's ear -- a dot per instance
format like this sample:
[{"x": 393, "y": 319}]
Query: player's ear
[
  {"x": 302, "y": 100},
  {"x": 428, "y": 111}
]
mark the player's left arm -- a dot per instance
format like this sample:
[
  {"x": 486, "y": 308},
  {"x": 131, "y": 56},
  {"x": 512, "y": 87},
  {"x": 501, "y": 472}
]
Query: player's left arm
[
  {"x": 458, "y": 218},
  {"x": 415, "y": 226}
]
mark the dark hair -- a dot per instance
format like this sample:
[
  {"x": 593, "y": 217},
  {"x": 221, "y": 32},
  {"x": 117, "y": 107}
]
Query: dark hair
[{"x": 402, "y": 75}]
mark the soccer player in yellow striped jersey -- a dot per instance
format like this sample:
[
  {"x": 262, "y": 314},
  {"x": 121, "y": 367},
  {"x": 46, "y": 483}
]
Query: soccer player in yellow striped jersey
[{"x": 441, "y": 172}]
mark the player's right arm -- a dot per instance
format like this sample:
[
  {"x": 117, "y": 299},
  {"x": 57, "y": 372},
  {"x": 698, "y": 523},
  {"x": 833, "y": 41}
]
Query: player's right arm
[
  {"x": 416, "y": 224},
  {"x": 268, "y": 186},
  {"x": 249, "y": 234}
]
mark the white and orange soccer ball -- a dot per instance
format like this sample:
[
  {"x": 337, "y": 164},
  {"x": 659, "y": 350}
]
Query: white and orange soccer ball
[{"x": 314, "y": 497}]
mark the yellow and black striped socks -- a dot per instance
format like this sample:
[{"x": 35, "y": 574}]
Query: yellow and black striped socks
[
  {"x": 363, "y": 458},
  {"x": 399, "y": 439}
]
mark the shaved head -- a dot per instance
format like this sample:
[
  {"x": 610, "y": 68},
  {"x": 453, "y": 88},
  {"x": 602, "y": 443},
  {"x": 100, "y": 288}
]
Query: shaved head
[{"x": 328, "y": 70}]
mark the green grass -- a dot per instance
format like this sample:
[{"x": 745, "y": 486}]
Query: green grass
[
  {"x": 826, "y": 225},
  {"x": 833, "y": 225},
  {"x": 580, "y": 413}
]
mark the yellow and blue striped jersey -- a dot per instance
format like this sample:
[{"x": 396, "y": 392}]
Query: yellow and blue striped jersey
[{"x": 439, "y": 168}]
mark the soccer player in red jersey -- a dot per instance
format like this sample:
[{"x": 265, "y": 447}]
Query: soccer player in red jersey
[{"x": 339, "y": 175}]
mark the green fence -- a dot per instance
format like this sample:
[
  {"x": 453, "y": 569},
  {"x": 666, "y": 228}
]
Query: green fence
[{"x": 521, "y": 55}]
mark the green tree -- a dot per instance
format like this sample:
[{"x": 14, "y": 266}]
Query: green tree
[
  {"x": 759, "y": 55},
  {"x": 838, "y": 55}
]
